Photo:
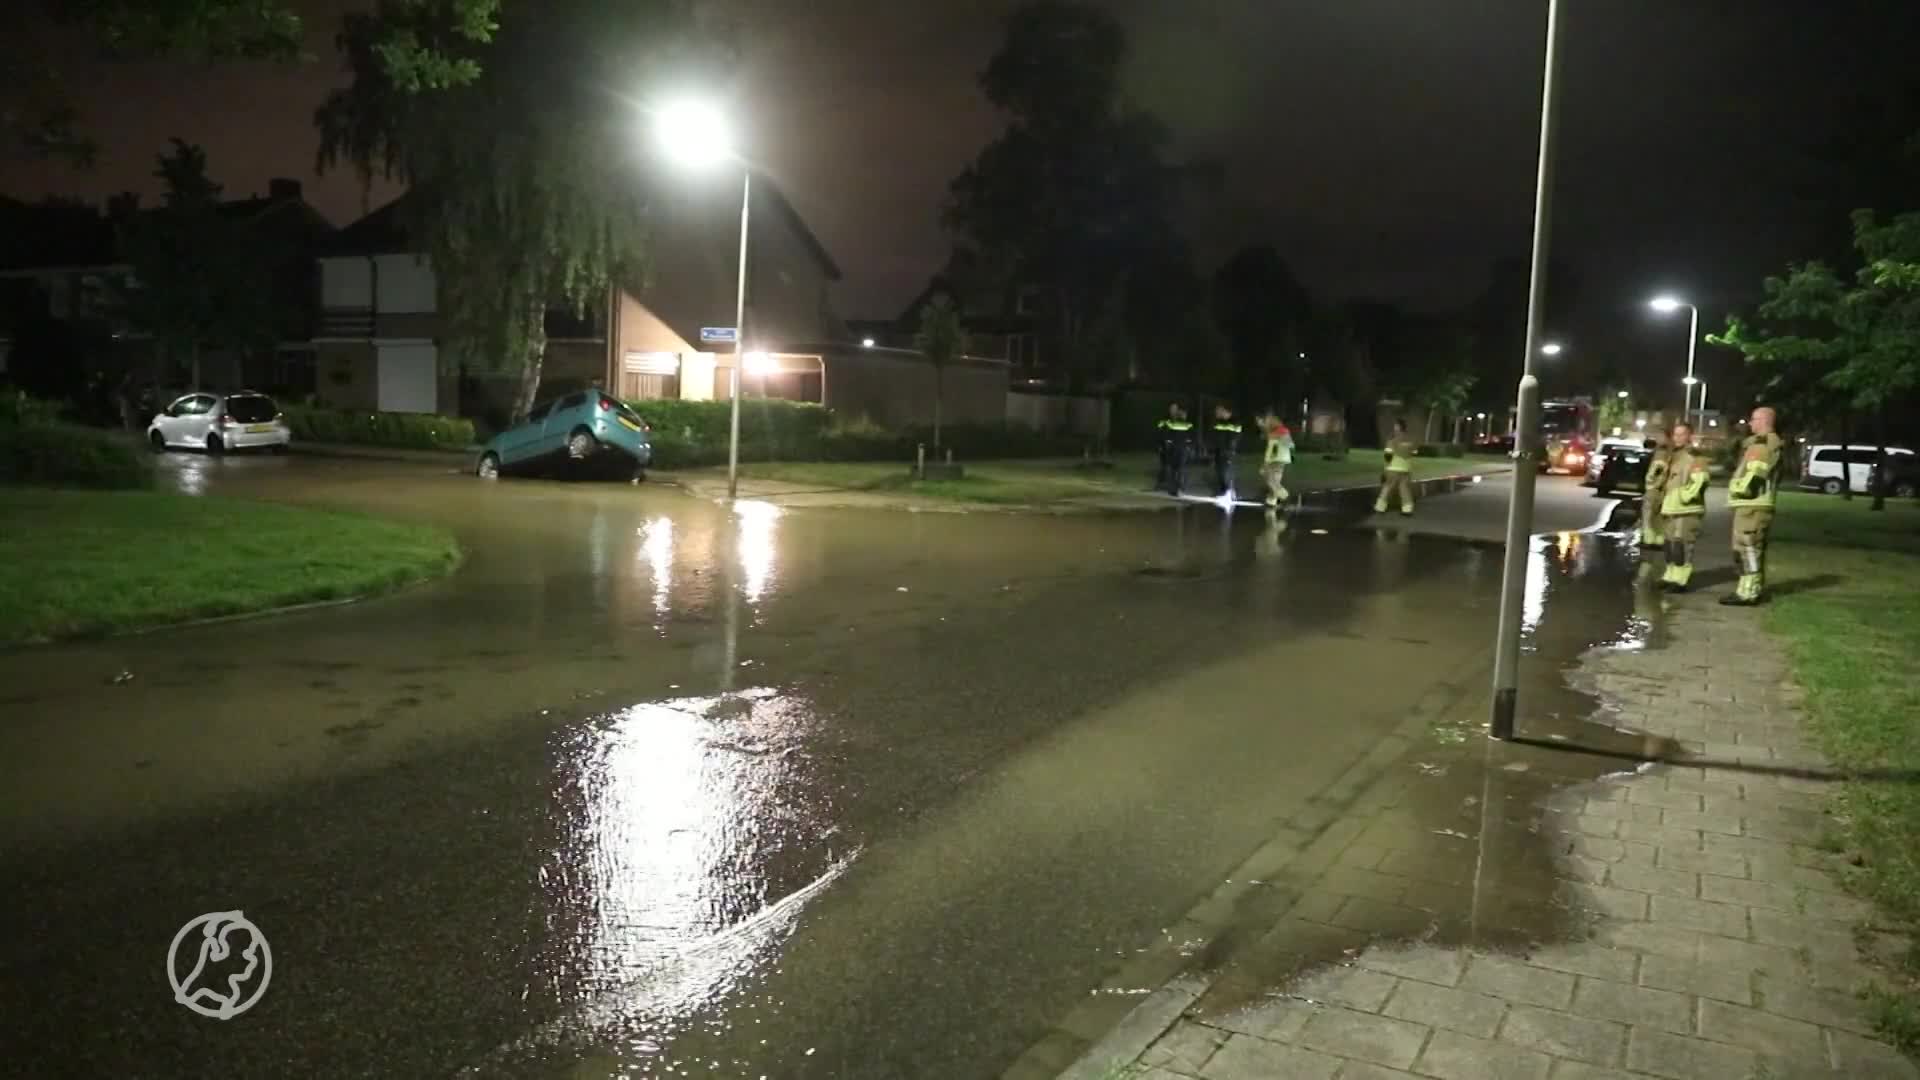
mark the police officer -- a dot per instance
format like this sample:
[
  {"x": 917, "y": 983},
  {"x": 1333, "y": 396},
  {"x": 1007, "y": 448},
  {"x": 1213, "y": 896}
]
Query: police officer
[
  {"x": 1653, "y": 532},
  {"x": 1683, "y": 506},
  {"x": 1176, "y": 439},
  {"x": 1224, "y": 439},
  {"x": 1756, "y": 476},
  {"x": 1398, "y": 478}
]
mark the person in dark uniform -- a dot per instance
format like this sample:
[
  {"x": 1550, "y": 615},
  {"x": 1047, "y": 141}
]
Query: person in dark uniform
[
  {"x": 1223, "y": 438},
  {"x": 1176, "y": 443}
]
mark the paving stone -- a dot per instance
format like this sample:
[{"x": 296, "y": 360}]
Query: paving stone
[
  {"x": 1566, "y": 1035},
  {"x": 1728, "y": 920},
  {"x": 1581, "y": 868},
  {"x": 1186, "y": 1047},
  {"x": 1580, "y": 1070},
  {"x": 1318, "y": 905},
  {"x": 1682, "y": 1057},
  {"x": 1247, "y": 1058},
  {"x": 1660, "y": 835},
  {"x": 1662, "y": 1009},
  {"x": 1648, "y": 937},
  {"x": 1758, "y": 894},
  {"x": 1453, "y": 1056},
  {"x": 1379, "y": 1039},
  {"x": 1610, "y": 902},
  {"x": 1706, "y": 823},
  {"x": 1588, "y": 958},
  {"x": 1354, "y": 987},
  {"x": 1279, "y": 1019},
  {"x": 1361, "y": 1070},
  {"x": 1369, "y": 883},
  {"x": 1428, "y": 964},
  {"x": 1794, "y": 932},
  {"x": 1869, "y": 1059},
  {"x": 1661, "y": 796},
  {"x": 1648, "y": 879},
  {"x": 1446, "y": 1007},
  {"x": 1688, "y": 976},
  {"x": 1828, "y": 1008},
  {"x": 1726, "y": 864},
  {"x": 1764, "y": 1033},
  {"x": 1517, "y": 981}
]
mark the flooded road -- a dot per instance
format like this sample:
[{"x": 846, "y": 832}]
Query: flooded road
[{"x": 654, "y": 787}]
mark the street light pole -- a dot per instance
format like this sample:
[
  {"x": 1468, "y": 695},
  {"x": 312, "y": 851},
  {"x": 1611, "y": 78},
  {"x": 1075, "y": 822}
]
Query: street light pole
[
  {"x": 1693, "y": 336},
  {"x": 1513, "y": 571},
  {"x": 739, "y": 338}
]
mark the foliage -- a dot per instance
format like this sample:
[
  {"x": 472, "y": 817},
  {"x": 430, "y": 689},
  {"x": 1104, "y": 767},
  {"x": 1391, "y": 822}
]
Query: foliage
[
  {"x": 36, "y": 109},
  {"x": 105, "y": 562},
  {"x": 37, "y": 451},
  {"x": 1819, "y": 337},
  {"x": 941, "y": 339},
  {"x": 420, "y": 431},
  {"x": 688, "y": 434},
  {"x": 1074, "y": 195},
  {"x": 197, "y": 273},
  {"x": 522, "y": 186}
]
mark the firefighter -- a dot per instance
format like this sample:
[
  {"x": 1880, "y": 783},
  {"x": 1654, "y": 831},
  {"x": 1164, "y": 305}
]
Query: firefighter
[
  {"x": 1176, "y": 439},
  {"x": 1652, "y": 531},
  {"x": 1279, "y": 454},
  {"x": 1682, "y": 507},
  {"x": 1750, "y": 493},
  {"x": 1223, "y": 438},
  {"x": 1398, "y": 477}
]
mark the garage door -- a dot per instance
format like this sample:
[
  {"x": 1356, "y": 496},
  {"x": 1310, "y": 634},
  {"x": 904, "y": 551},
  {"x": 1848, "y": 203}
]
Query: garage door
[{"x": 409, "y": 379}]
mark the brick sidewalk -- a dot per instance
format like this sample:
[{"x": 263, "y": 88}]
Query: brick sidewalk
[{"x": 1687, "y": 925}]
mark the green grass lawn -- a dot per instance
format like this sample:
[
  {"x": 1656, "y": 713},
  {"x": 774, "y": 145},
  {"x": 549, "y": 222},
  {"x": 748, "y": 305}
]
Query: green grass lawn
[
  {"x": 1043, "y": 481},
  {"x": 1849, "y": 609},
  {"x": 78, "y": 562}
]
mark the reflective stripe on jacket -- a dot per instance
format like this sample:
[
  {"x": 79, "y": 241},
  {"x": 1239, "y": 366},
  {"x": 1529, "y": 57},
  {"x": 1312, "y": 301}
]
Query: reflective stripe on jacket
[
  {"x": 1400, "y": 455},
  {"x": 1757, "y": 474},
  {"x": 1686, "y": 484}
]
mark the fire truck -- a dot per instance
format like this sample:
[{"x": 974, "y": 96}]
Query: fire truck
[{"x": 1568, "y": 435}]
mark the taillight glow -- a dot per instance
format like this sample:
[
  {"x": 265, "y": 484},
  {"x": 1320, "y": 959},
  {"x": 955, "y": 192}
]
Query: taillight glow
[{"x": 607, "y": 403}]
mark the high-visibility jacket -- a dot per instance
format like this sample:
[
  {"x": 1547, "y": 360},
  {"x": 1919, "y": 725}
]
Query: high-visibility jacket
[
  {"x": 1756, "y": 475},
  {"x": 1400, "y": 454},
  {"x": 1225, "y": 436},
  {"x": 1686, "y": 484},
  {"x": 1279, "y": 445},
  {"x": 1174, "y": 430},
  {"x": 1659, "y": 467}
]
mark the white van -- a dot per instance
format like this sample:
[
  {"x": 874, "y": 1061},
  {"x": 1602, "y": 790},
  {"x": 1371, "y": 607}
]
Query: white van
[{"x": 1826, "y": 468}]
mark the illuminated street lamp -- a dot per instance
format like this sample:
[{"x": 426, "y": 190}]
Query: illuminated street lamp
[
  {"x": 1551, "y": 348},
  {"x": 1622, "y": 395},
  {"x": 1667, "y": 305},
  {"x": 695, "y": 135}
]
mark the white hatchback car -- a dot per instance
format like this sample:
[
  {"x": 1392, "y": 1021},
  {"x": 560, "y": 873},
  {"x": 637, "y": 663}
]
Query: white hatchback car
[{"x": 219, "y": 422}]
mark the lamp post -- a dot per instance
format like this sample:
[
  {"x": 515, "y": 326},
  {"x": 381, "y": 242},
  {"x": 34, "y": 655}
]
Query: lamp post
[
  {"x": 1513, "y": 570},
  {"x": 696, "y": 135},
  {"x": 1667, "y": 305}
]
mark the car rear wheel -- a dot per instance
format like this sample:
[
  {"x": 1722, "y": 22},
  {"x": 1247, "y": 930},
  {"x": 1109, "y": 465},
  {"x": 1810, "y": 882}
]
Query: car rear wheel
[
  {"x": 157, "y": 441},
  {"x": 580, "y": 445},
  {"x": 1831, "y": 485},
  {"x": 489, "y": 467},
  {"x": 214, "y": 445}
]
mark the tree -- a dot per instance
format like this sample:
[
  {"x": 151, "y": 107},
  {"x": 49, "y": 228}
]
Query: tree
[
  {"x": 942, "y": 340},
  {"x": 36, "y": 109},
  {"x": 523, "y": 191},
  {"x": 1818, "y": 333},
  {"x": 1074, "y": 196},
  {"x": 1264, "y": 314},
  {"x": 198, "y": 275}
]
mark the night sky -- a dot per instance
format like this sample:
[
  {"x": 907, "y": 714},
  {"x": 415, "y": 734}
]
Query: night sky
[{"x": 1384, "y": 147}]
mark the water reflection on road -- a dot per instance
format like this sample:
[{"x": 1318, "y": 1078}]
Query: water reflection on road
[{"x": 653, "y": 781}]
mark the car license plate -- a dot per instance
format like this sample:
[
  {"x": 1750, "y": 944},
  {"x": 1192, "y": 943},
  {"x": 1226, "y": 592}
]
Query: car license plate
[
  {"x": 254, "y": 429},
  {"x": 628, "y": 423}
]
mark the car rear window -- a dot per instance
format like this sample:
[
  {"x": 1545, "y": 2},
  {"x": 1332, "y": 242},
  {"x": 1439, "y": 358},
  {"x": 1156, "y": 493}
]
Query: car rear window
[
  {"x": 620, "y": 409},
  {"x": 539, "y": 412},
  {"x": 251, "y": 409},
  {"x": 573, "y": 401}
]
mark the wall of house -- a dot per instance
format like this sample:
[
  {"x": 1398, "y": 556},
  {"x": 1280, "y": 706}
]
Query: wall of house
[
  {"x": 345, "y": 375},
  {"x": 1059, "y": 412}
]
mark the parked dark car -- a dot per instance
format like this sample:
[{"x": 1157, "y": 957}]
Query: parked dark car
[
  {"x": 1903, "y": 475},
  {"x": 1623, "y": 469}
]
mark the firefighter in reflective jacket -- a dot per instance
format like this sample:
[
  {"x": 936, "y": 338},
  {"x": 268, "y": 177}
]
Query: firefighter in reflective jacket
[
  {"x": 1176, "y": 442},
  {"x": 1756, "y": 476},
  {"x": 1278, "y": 455},
  {"x": 1224, "y": 439},
  {"x": 1397, "y": 479},
  {"x": 1683, "y": 506},
  {"x": 1653, "y": 533}
]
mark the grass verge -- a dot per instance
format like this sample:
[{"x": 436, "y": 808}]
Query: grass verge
[
  {"x": 1045, "y": 481},
  {"x": 1848, "y": 606},
  {"x": 76, "y": 563}
]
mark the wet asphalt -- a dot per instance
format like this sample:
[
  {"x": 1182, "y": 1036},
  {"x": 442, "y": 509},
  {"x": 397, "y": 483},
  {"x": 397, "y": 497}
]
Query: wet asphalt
[{"x": 656, "y": 787}]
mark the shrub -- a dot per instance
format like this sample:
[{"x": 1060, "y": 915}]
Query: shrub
[
  {"x": 1442, "y": 450},
  {"x": 63, "y": 455},
  {"x": 420, "y": 431},
  {"x": 17, "y": 408}
]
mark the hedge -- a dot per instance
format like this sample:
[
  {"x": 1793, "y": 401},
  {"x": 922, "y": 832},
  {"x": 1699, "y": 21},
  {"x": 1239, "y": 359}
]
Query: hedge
[
  {"x": 63, "y": 455},
  {"x": 419, "y": 431},
  {"x": 687, "y": 434}
]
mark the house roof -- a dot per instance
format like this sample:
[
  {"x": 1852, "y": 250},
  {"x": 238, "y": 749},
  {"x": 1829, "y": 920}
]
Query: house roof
[
  {"x": 382, "y": 232},
  {"x": 799, "y": 226}
]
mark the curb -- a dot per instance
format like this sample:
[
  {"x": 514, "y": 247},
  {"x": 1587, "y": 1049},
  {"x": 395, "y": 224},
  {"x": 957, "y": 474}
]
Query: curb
[
  {"x": 382, "y": 453},
  {"x": 1110, "y": 1028}
]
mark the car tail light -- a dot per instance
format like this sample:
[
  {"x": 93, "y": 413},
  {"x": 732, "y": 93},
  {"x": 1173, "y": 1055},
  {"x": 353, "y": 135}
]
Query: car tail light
[
  {"x": 225, "y": 420},
  {"x": 607, "y": 404}
]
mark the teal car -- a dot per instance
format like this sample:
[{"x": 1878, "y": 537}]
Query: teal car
[{"x": 583, "y": 429}]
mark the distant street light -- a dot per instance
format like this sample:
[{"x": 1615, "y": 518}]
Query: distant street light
[
  {"x": 759, "y": 363},
  {"x": 1667, "y": 305},
  {"x": 1622, "y": 395},
  {"x": 695, "y": 135},
  {"x": 866, "y": 343},
  {"x": 1551, "y": 348}
]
